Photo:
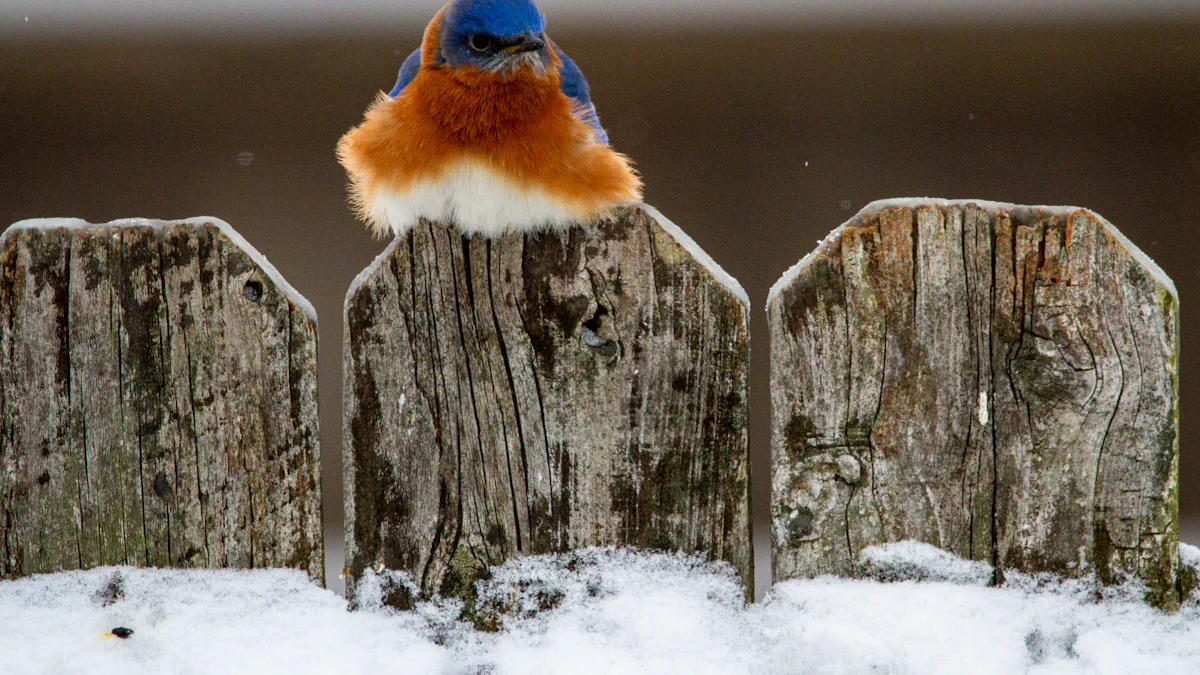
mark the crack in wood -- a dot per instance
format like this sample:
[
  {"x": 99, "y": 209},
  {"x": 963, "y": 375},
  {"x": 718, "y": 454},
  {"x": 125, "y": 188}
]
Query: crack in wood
[
  {"x": 140, "y": 309},
  {"x": 1074, "y": 475},
  {"x": 550, "y": 443}
]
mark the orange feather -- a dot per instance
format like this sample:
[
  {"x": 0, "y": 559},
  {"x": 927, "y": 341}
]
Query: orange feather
[{"x": 519, "y": 125}]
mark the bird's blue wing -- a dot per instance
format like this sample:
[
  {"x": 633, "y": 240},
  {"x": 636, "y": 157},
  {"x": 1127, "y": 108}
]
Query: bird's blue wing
[
  {"x": 407, "y": 72},
  {"x": 575, "y": 86}
]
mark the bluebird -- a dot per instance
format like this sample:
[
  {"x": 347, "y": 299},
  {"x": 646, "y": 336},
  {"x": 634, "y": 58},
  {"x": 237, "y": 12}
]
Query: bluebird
[{"x": 490, "y": 127}]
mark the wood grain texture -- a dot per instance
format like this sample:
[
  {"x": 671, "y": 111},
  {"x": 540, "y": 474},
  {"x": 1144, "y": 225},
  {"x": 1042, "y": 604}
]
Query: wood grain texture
[
  {"x": 999, "y": 381},
  {"x": 540, "y": 393},
  {"x": 159, "y": 405}
]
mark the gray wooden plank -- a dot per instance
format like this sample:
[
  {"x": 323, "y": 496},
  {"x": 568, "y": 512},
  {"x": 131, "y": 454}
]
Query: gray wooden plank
[
  {"x": 159, "y": 401},
  {"x": 538, "y": 393},
  {"x": 1026, "y": 411},
  {"x": 41, "y": 507}
]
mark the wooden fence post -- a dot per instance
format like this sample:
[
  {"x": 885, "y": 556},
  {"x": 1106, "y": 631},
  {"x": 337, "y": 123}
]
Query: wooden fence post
[
  {"x": 158, "y": 402},
  {"x": 999, "y": 381},
  {"x": 539, "y": 393}
]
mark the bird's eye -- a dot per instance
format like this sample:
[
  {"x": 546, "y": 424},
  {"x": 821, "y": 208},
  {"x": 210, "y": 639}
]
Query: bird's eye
[{"x": 480, "y": 43}]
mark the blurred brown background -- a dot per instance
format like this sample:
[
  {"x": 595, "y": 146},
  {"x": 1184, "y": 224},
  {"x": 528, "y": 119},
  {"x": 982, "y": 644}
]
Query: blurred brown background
[{"x": 756, "y": 141}]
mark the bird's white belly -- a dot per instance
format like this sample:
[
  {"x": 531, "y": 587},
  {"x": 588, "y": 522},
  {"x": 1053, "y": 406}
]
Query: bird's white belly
[{"x": 475, "y": 199}]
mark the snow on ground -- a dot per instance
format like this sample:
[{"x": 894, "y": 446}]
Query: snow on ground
[
  {"x": 914, "y": 561},
  {"x": 592, "y": 612}
]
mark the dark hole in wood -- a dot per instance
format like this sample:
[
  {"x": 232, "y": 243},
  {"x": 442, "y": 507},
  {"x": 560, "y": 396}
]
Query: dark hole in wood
[
  {"x": 162, "y": 486},
  {"x": 593, "y": 324},
  {"x": 800, "y": 527},
  {"x": 592, "y": 338},
  {"x": 253, "y": 291}
]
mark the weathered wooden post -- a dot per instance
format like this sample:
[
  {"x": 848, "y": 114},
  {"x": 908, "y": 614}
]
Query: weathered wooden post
[
  {"x": 996, "y": 380},
  {"x": 158, "y": 401},
  {"x": 539, "y": 393}
]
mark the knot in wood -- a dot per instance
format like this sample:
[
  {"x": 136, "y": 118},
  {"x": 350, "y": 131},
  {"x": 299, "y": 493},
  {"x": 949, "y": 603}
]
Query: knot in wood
[
  {"x": 561, "y": 390},
  {"x": 1013, "y": 373},
  {"x": 800, "y": 527},
  {"x": 595, "y": 332},
  {"x": 850, "y": 469},
  {"x": 253, "y": 291}
]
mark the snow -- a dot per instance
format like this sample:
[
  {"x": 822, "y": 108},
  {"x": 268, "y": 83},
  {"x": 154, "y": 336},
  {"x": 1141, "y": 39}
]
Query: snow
[
  {"x": 794, "y": 271},
  {"x": 1189, "y": 556},
  {"x": 915, "y": 561},
  {"x": 913, "y": 202},
  {"x": 379, "y": 263},
  {"x": 595, "y": 612},
  {"x": 298, "y": 301},
  {"x": 197, "y": 622},
  {"x": 701, "y": 256},
  {"x": 1140, "y": 256}
]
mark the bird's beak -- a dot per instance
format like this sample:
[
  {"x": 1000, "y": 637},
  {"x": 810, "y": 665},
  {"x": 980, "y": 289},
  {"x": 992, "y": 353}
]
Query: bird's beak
[{"x": 529, "y": 43}]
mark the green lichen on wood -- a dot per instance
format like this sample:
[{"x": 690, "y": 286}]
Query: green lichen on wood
[
  {"x": 543, "y": 392},
  {"x": 1012, "y": 374},
  {"x": 181, "y": 389}
]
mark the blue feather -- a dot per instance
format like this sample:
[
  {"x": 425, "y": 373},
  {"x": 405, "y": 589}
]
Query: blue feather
[
  {"x": 408, "y": 71},
  {"x": 509, "y": 18},
  {"x": 576, "y": 87},
  {"x": 502, "y": 18}
]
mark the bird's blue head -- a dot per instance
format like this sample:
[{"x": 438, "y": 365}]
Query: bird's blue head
[{"x": 495, "y": 35}]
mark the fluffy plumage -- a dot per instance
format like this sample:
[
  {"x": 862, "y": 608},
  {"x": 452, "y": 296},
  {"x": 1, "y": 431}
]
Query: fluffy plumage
[{"x": 490, "y": 126}]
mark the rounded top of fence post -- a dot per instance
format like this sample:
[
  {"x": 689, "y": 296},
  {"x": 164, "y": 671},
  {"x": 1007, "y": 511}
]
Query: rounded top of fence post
[
  {"x": 1020, "y": 214},
  {"x": 680, "y": 237},
  {"x": 166, "y": 355},
  {"x": 225, "y": 229},
  {"x": 719, "y": 274}
]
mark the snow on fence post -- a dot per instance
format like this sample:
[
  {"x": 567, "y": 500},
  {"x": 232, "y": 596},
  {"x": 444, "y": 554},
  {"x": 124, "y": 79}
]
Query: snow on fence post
[
  {"x": 158, "y": 401},
  {"x": 999, "y": 381},
  {"x": 540, "y": 393}
]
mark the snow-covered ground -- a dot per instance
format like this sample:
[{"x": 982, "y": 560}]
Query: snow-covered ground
[{"x": 597, "y": 611}]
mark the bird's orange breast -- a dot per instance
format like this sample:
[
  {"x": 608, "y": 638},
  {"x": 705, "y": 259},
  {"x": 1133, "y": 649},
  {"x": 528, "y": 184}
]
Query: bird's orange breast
[{"x": 521, "y": 126}]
